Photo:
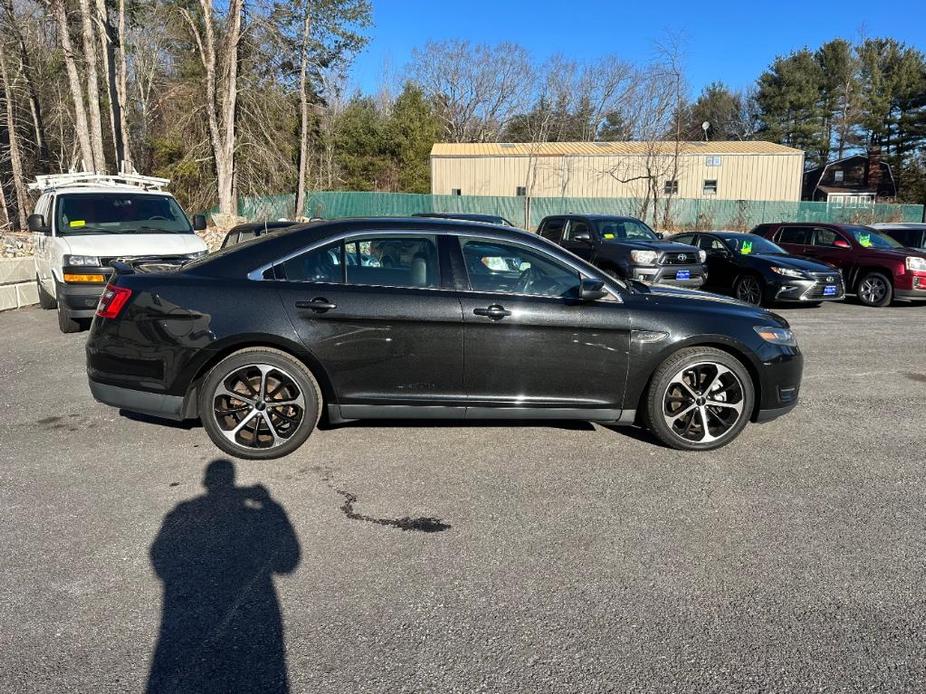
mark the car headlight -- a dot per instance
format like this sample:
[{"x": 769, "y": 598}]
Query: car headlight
[
  {"x": 91, "y": 260},
  {"x": 777, "y": 336},
  {"x": 644, "y": 257},
  {"x": 702, "y": 256},
  {"x": 914, "y": 263},
  {"x": 788, "y": 272}
]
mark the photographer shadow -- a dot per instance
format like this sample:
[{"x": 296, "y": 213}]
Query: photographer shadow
[{"x": 221, "y": 622}]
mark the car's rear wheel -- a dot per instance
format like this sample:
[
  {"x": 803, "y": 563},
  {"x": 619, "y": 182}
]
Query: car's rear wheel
[
  {"x": 874, "y": 289},
  {"x": 700, "y": 398},
  {"x": 748, "y": 288},
  {"x": 259, "y": 403}
]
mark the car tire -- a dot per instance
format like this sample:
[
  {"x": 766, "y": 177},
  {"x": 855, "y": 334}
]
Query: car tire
[
  {"x": 66, "y": 323},
  {"x": 874, "y": 289},
  {"x": 678, "y": 401},
  {"x": 46, "y": 300},
  {"x": 250, "y": 426},
  {"x": 748, "y": 288}
]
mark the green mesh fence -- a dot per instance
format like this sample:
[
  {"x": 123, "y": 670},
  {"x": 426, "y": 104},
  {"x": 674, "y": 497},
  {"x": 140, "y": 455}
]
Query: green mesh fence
[{"x": 675, "y": 214}]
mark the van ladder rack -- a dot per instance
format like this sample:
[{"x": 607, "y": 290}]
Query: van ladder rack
[{"x": 75, "y": 180}]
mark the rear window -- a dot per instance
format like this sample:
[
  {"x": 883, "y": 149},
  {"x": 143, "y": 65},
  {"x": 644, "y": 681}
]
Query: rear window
[
  {"x": 797, "y": 235},
  {"x": 552, "y": 229}
]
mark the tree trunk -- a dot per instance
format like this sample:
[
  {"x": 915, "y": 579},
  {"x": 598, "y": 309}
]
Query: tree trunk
[
  {"x": 227, "y": 195},
  {"x": 122, "y": 88},
  {"x": 77, "y": 94},
  {"x": 35, "y": 105},
  {"x": 19, "y": 184},
  {"x": 105, "y": 30},
  {"x": 93, "y": 88},
  {"x": 304, "y": 112}
]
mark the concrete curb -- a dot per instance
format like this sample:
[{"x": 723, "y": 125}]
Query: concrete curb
[{"x": 17, "y": 283}]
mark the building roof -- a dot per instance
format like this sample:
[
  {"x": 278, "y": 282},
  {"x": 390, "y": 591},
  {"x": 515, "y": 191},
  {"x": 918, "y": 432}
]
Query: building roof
[{"x": 558, "y": 149}]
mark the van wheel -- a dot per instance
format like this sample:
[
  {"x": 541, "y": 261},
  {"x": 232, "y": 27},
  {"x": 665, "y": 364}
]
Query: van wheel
[
  {"x": 874, "y": 289},
  {"x": 66, "y": 323},
  {"x": 46, "y": 300},
  {"x": 259, "y": 403},
  {"x": 699, "y": 399}
]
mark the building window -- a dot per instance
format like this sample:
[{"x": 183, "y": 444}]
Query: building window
[
  {"x": 456, "y": 191},
  {"x": 712, "y": 161},
  {"x": 710, "y": 187},
  {"x": 670, "y": 188},
  {"x": 521, "y": 191},
  {"x": 839, "y": 175}
]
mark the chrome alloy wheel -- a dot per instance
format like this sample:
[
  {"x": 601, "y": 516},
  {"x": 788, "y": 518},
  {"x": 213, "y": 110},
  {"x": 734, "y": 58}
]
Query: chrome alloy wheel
[
  {"x": 703, "y": 402},
  {"x": 872, "y": 289},
  {"x": 258, "y": 406}
]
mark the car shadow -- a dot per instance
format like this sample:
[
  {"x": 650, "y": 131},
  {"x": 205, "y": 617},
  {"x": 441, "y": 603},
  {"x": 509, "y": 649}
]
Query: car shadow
[
  {"x": 569, "y": 425},
  {"x": 221, "y": 623}
]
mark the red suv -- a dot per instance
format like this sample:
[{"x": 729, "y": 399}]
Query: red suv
[{"x": 873, "y": 265}]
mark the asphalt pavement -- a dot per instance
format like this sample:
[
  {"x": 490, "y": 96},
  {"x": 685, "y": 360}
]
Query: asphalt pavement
[{"x": 468, "y": 558}]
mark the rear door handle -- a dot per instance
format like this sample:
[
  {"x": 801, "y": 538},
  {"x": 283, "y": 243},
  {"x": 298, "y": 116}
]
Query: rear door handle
[
  {"x": 319, "y": 304},
  {"x": 495, "y": 312}
]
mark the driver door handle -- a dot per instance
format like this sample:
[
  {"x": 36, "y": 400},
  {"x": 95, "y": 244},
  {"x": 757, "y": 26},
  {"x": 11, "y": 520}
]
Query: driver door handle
[
  {"x": 319, "y": 304},
  {"x": 495, "y": 312}
]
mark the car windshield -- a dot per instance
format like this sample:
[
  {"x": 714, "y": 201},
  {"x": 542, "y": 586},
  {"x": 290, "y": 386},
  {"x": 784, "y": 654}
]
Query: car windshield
[
  {"x": 621, "y": 229},
  {"x": 120, "y": 213},
  {"x": 869, "y": 238},
  {"x": 746, "y": 244}
]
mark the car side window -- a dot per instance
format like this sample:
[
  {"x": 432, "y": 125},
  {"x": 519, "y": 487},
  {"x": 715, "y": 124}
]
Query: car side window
[
  {"x": 576, "y": 226},
  {"x": 318, "y": 265},
  {"x": 796, "y": 235},
  {"x": 824, "y": 237},
  {"x": 684, "y": 238},
  {"x": 496, "y": 266},
  {"x": 393, "y": 261},
  {"x": 553, "y": 229},
  {"x": 709, "y": 243}
]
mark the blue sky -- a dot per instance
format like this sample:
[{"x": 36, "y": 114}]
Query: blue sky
[{"x": 727, "y": 41}]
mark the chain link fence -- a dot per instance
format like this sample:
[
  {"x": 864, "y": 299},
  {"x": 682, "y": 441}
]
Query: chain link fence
[{"x": 670, "y": 214}]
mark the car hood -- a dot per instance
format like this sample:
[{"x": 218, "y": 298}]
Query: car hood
[
  {"x": 133, "y": 245},
  {"x": 659, "y": 246},
  {"x": 793, "y": 262},
  {"x": 691, "y": 298}
]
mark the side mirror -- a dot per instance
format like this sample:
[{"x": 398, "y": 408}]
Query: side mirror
[
  {"x": 841, "y": 243},
  {"x": 591, "y": 290},
  {"x": 583, "y": 236},
  {"x": 199, "y": 222},
  {"x": 659, "y": 235},
  {"x": 36, "y": 222}
]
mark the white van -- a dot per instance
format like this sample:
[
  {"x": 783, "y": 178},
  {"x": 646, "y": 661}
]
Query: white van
[{"x": 82, "y": 222}]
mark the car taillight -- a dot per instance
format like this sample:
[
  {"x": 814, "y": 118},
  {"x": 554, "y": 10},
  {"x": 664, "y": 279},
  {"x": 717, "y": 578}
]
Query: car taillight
[{"x": 112, "y": 301}]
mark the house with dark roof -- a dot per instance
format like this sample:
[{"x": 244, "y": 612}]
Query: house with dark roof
[{"x": 858, "y": 180}]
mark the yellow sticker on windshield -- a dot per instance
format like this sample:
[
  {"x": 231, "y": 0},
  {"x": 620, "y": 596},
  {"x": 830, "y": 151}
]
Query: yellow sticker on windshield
[
  {"x": 747, "y": 248},
  {"x": 865, "y": 240},
  {"x": 609, "y": 236},
  {"x": 77, "y": 223}
]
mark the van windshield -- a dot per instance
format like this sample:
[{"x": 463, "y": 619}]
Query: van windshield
[{"x": 119, "y": 213}]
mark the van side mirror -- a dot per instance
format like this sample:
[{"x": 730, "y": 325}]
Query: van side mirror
[
  {"x": 591, "y": 290},
  {"x": 841, "y": 243},
  {"x": 199, "y": 222},
  {"x": 36, "y": 222}
]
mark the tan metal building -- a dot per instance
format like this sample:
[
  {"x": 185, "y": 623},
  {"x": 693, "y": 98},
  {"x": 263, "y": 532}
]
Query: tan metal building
[{"x": 748, "y": 170}]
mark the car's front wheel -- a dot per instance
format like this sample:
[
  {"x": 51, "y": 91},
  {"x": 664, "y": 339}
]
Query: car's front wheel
[
  {"x": 259, "y": 403},
  {"x": 748, "y": 288},
  {"x": 699, "y": 398},
  {"x": 874, "y": 289}
]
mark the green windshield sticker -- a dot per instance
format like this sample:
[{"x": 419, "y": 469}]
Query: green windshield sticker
[
  {"x": 747, "y": 248},
  {"x": 609, "y": 236},
  {"x": 77, "y": 223},
  {"x": 865, "y": 240}
]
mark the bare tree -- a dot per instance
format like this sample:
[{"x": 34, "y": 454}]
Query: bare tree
[
  {"x": 303, "y": 108},
  {"x": 22, "y": 198},
  {"x": 93, "y": 89},
  {"x": 77, "y": 93},
  {"x": 477, "y": 88},
  {"x": 221, "y": 90}
]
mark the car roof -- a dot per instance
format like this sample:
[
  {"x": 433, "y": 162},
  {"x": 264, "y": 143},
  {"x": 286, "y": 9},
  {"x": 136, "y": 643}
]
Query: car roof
[
  {"x": 723, "y": 234},
  {"x": 596, "y": 217},
  {"x": 239, "y": 259}
]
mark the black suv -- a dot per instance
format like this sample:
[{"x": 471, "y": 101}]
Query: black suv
[{"x": 626, "y": 248}]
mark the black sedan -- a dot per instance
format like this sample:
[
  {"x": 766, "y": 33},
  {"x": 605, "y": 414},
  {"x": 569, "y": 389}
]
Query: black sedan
[
  {"x": 468, "y": 322},
  {"x": 757, "y": 271},
  {"x": 251, "y": 230},
  {"x": 467, "y": 217}
]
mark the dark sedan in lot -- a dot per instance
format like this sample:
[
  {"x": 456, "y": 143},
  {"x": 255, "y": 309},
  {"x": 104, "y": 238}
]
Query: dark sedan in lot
[
  {"x": 469, "y": 321},
  {"x": 757, "y": 271}
]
